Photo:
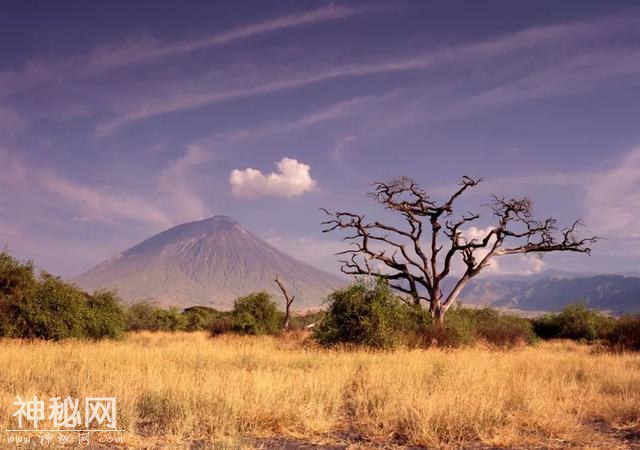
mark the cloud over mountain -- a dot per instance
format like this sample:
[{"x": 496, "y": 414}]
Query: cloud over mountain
[{"x": 291, "y": 179}]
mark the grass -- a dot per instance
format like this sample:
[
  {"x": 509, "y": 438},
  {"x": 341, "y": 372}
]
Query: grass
[{"x": 185, "y": 390}]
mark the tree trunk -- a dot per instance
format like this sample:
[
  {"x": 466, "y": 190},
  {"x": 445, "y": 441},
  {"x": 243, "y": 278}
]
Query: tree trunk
[
  {"x": 287, "y": 319},
  {"x": 438, "y": 318}
]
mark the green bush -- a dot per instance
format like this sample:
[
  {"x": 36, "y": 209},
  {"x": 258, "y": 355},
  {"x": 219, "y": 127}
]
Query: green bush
[
  {"x": 16, "y": 279},
  {"x": 364, "y": 314},
  {"x": 146, "y": 316},
  {"x": 465, "y": 326},
  {"x": 575, "y": 322},
  {"x": 170, "y": 319},
  {"x": 50, "y": 308},
  {"x": 625, "y": 335},
  {"x": 200, "y": 318},
  {"x": 105, "y": 318},
  {"x": 256, "y": 314},
  {"x": 142, "y": 316},
  {"x": 53, "y": 310}
]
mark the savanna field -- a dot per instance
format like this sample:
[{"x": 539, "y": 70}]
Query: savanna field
[{"x": 188, "y": 390}]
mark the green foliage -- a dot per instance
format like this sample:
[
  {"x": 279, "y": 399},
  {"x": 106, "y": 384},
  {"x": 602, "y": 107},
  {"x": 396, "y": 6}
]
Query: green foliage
[
  {"x": 625, "y": 335},
  {"x": 53, "y": 310},
  {"x": 50, "y": 308},
  {"x": 142, "y": 316},
  {"x": 465, "y": 326},
  {"x": 200, "y": 318},
  {"x": 16, "y": 279},
  {"x": 371, "y": 315},
  {"x": 575, "y": 322},
  {"x": 170, "y": 319},
  {"x": 364, "y": 314},
  {"x": 146, "y": 316},
  {"x": 256, "y": 313},
  {"x": 105, "y": 318}
]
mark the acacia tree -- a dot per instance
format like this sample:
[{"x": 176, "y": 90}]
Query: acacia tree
[{"x": 416, "y": 258}]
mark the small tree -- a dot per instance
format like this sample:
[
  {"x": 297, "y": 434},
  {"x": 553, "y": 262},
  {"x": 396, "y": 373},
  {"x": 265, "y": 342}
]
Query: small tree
[
  {"x": 364, "y": 314},
  {"x": 415, "y": 258},
  {"x": 576, "y": 322},
  {"x": 200, "y": 317},
  {"x": 105, "y": 318},
  {"x": 54, "y": 310},
  {"x": 288, "y": 302},
  {"x": 50, "y": 308},
  {"x": 255, "y": 314}
]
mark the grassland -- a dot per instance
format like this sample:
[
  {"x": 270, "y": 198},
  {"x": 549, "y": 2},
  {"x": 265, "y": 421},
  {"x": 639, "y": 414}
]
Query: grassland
[{"x": 189, "y": 391}]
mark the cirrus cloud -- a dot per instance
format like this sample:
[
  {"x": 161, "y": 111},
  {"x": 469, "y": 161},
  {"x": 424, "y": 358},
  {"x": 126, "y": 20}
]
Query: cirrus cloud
[{"x": 291, "y": 179}]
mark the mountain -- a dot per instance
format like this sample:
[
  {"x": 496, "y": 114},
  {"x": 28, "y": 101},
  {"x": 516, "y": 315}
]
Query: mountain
[
  {"x": 208, "y": 262},
  {"x": 553, "y": 290}
]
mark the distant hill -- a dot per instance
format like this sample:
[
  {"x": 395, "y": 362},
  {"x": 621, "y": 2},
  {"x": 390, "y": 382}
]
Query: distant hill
[
  {"x": 209, "y": 262},
  {"x": 551, "y": 291}
]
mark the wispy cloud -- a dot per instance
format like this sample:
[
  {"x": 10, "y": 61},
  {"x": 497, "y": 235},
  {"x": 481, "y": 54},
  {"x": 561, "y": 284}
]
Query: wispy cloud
[
  {"x": 148, "y": 50},
  {"x": 137, "y": 50},
  {"x": 175, "y": 187},
  {"x": 24, "y": 183},
  {"x": 593, "y": 56},
  {"x": 613, "y": 199},
  {"x": 11, "y": 123}
]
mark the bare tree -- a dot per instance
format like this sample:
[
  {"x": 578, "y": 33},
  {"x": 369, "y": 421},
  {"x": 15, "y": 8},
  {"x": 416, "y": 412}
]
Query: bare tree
[
  {"x": 288, "y": 301},
  {"x": 414, "y": 259}
]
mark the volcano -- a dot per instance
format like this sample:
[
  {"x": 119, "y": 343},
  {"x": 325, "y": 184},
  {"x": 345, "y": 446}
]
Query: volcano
[{"x": 209, "y": 262}]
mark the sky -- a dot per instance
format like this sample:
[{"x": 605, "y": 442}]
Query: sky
[{"x": 121, "y": 119}]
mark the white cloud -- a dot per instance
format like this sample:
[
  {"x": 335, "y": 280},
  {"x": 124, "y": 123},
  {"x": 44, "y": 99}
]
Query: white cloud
[
  {"x": 291, "y": 179},
  {"x": 504, "y": 265}
]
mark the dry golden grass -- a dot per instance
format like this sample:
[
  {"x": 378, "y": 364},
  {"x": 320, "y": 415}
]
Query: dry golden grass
[{"x": 174, "y": 390}]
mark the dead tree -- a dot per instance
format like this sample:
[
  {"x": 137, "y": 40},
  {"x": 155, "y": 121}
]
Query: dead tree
[
  {"x": 414, "y": 258},
  {"x": 288, "y": 302}
]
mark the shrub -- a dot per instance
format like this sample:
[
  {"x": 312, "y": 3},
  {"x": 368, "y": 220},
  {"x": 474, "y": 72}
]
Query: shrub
[
  {"x": 17, "y": 281},
  {"x": 170, "y": 319},
  {"x": 221, "y": 325},
  {"x": 256, "y": 314},
  {"x": 142, "y": 316},
  {"x": 625, "y": 335},
  {"x": 53, "y": 310},
  {"x": 16, "y": 278},
  {"x": 502, "y": 329},
  {"x": 364, "y": 314},
  {"x": 575, "y": 322},
  {"x": 200, "y": 318},
  {"x": 105, "y": 318},
  {"x": 50, "y": 308},
  {"x": 464, "y": 326},
  {"x": 146, "y": 316}
]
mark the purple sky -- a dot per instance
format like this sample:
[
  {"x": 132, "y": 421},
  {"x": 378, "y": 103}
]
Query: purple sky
[{"x": 120, "y": 119}]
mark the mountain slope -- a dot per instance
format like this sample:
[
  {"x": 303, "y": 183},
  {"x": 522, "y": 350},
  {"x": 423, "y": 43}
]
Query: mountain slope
[
  {"x": 553, "y": 291},
  {"x": 208, "y": 262}
]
